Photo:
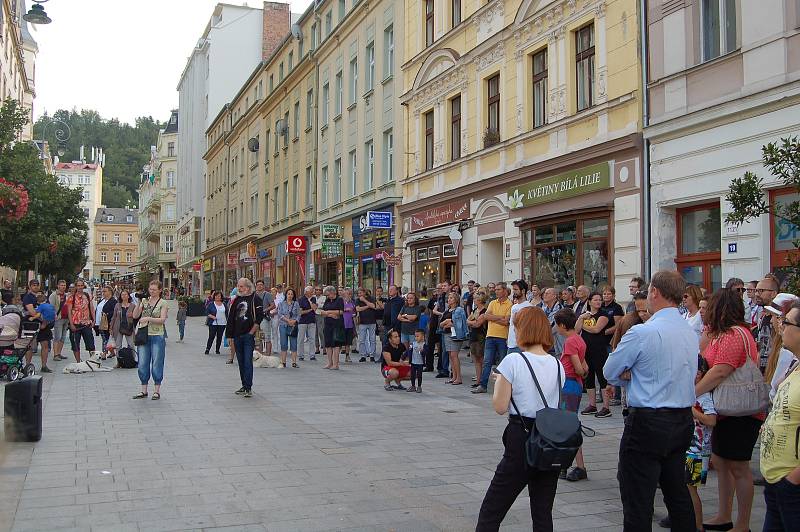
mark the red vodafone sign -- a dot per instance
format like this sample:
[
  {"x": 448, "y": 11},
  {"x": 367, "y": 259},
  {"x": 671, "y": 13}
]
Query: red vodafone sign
[{"x": 296, "y": 244}]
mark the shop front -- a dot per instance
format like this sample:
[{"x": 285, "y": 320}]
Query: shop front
[
  {"x": 274, "y": 265},
  {"x": 329, "y": 256},
  {"x": 373, "y": 248}
]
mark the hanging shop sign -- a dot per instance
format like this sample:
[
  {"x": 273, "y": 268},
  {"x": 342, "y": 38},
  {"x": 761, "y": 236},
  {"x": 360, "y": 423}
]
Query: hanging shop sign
[
  {"x": 197, "y": 266},
  {"x": 331, "y": 232},
  {"x": 296, "y": 244},
  {"x": 208, "y": 265},
  {"x": 331, "y": 250},
  {"x": 441, "y": 215},
  {"x": 379, "y": 220},
  {"x": 567, "y": 185},
  {"x": 233, "y": 259}
]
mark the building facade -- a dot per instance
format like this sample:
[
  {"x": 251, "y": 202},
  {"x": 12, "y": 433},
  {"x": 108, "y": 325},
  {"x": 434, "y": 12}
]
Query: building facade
[
  {"x": 116, "y": 237},
  {"x": 88, "y": 178},
  {"x": 234, "y": 41},
  {"x": 524, "y": 146},
  {"x": 724, "y": 80},
  {"x": 157, "y": 230}
]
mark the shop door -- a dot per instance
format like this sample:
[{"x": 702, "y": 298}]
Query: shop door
[{"x": 451, "y": 271}]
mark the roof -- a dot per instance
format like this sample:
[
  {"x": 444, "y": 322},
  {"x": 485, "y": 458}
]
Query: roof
[
  {"x": 172, "y": 123},
  {"x": 119, "y": 216},
  {"x": 76, "y": 166}
]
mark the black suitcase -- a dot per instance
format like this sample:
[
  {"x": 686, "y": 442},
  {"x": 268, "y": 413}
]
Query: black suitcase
[{"x": 23, "y": 409}]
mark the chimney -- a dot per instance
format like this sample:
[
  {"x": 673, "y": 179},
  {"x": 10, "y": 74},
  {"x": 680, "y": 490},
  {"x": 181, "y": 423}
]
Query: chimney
[{"x": 277, "y": 22}]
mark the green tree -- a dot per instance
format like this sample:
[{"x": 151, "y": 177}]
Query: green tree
[
  {"x": 748, "y": 201},
  {"x": 53, "y": 233}
]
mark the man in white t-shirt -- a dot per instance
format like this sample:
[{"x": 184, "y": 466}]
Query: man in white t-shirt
[{"x": 519, "y": 289}]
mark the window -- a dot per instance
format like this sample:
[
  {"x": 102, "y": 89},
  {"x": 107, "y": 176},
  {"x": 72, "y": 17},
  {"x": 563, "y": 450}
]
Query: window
[
  {"x": 275, "y": 200},
  {"x": 291, "y": 60},
  {"x": 339, "y": 94},
  {"x": 171, "y": 179},
  {"x": 309, "y": 109},
  {"x": 388, "y": 157},
  {"x": 280, "y": 72},
  {"x": 296, "y": 120},
  {"x": 169, "y": 212},
  {"x": 254, "y": 208},
  {"x": 353, "y": 80},
  {"x": 493, "y": 103},
  {"x": 103, "y": 256},
  {"x": 266, "y": 208},
  {"x": 342, "y": 10},
  {"x": 388, "y": 47},
  {"x": 429, "y": 22},
  {"x": 85, "y": 195},
  {"x": 455, "y": 128},
  {"x": 300, "y": 49},
  {"x": 130, "y": 238},
  {"x": 455, "y": 12},
  {"x": 295, "y": 192},
  {"x": 168, "y": 243},
  {"x": 337, "y": 184},
  {"x": 116, "y": 256},
  {"x": 699, "y": 232},
  {"x": 326, "y": 98},
  {"x": 285, "y": 199},
  {"x": 323, "y": 188},
  {"x": 328, "y": 22},
  {"x": 116, "y": 238},
  {"x": 170, "y": 149},
  {"x": 103, "y": 237},
  {"x": 314, "y": 36},
  {"x": 369, "y": 173},
  {"x": 540, "y": 88},
  {"x": 110, "y": 218},
  {"x": 309, "y": 185},
  {"x": 128, "y": 257},
  {"x": 783, "y": 232},
  {"x": 353, "y": 173},
  {"x": 129, "y": 218},
  {"x": 567, "y": 252},
  {"x": 717, "y": 27},
  {"x": 584, "y": 66},
  {"x": 286, "y": 129},
  {"x": 266, "y": 150},
  {"x": 271, "y": 82},
  {"x": 429, "y": 140},
  {"x": 370, "y": 82}
]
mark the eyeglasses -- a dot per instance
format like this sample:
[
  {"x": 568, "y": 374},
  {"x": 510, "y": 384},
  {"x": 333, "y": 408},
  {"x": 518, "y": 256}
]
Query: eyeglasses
[
  {"x": 760, "y": 290},
  {"x": 741, "y": 290},
  {"x": 786, "y": 322}
]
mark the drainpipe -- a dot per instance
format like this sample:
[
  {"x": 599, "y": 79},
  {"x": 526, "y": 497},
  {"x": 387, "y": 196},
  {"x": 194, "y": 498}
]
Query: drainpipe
[
  {"x": 315, "y": 150},
  {"x": 646, "y": 218},
  {"x": 226, "y": 136}
]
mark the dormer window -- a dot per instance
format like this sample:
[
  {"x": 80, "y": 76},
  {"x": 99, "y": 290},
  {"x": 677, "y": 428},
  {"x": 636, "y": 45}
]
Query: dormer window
[
  {"x": 129, "y": 218},
  {"x": 110, "y": 218}
]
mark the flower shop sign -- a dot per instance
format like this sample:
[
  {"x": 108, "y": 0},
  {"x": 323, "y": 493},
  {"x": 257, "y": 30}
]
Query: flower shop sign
[{"x": 567, "y": 185}]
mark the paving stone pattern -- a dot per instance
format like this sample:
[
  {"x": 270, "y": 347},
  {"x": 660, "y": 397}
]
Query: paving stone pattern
[{"x": 312, "y": 450}]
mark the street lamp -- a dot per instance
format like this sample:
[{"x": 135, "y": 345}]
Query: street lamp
[
  {"x": 63, "y": 133},
  {"x": 36, "y": 14}
]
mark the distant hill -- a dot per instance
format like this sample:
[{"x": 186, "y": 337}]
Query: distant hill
[{"x": 127, "y": 148}]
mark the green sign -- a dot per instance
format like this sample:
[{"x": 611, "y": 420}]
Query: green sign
[
  {"x": 331, "y": 250},
  {"x": 566, "y": 185},
  {"x": 331, "y": 232},
  {"x": 348, "y": 271}
]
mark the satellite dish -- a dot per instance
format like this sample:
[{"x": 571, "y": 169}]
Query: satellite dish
[
  {"x": 297, "y": 32},
  {"x": 252, "y": 144}
]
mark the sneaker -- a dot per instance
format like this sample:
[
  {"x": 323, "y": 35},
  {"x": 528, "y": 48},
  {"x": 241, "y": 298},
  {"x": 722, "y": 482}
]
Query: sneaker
[
  {"x": 605, "y": 412},
  {"x": 240, "y": 391},
  {"x": 442, "y": 375},
  {"x": 412, "y": 389},
  {"x": 59, "y": 357},
  {"x": 362, "y": 359},
  {"x": 615, "y": 402},
  {"x": 589, "y": 411},
  {"x": 479, "y": 389},
  {"x": 399, "y": 387},
  {"x": 474, "y": 379},
  {"x": 312, "y": 357},
  {"x": 419, "y": 389},
  {"x": 248, "y": 393},
  {"x": 577, "y": 473},
  {"x": 301, "y": 357},
  {"x": 388, "y": 387},
  {"x": 474, "y": 385},
  {"x": 45, "y": 369},
  {"x": 206, "y": 352}
]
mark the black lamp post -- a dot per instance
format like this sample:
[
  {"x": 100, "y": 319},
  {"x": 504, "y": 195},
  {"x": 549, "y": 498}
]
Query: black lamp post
[
  {"x": 63, "y": 134},
  {"x": 36, "y": 14}
]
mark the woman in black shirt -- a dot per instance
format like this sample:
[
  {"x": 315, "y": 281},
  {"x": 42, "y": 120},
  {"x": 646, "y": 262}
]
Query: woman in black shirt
[
  {"x": 396, "y": 367},
  {"x": 332, "y": 310},
  {"x": 592, "y": 326}
]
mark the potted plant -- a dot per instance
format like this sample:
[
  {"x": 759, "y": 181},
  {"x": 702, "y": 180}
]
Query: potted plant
[
  {"x": 195, "y": 305},
  {"x": 491, "y": 137}
]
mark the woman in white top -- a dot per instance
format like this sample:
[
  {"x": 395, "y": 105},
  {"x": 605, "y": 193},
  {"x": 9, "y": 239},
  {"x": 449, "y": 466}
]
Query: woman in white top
[
  {"x": 691, "y": 300},
  {"x": 513, "y": 380},
  {"x": 217, "y": 319}
]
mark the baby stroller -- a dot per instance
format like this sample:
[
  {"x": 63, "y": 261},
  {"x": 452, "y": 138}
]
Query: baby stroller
[{"x": 12, "y": 365}]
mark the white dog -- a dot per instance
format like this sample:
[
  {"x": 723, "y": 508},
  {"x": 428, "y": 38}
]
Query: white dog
[
  {"x": 265, "y": 361},
  {"x": 92, "y": 365}
]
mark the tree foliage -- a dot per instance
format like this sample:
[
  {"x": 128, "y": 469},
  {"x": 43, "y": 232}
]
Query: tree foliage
[
  {"x": 748, "y": 200},
  {"x": 54, "y": 231},
  {"x": 127, "y": 148}
]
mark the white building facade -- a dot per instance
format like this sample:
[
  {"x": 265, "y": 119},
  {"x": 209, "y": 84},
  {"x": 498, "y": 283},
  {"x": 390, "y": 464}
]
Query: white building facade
[
  {"x": 724, "y": 81},
  {"x": 88, "y": 178}
]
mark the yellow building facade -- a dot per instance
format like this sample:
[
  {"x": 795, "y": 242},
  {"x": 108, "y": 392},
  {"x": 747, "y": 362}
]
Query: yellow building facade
[
  {"x": 116, "y": 237},
  {"x": 523, "y": 158}
]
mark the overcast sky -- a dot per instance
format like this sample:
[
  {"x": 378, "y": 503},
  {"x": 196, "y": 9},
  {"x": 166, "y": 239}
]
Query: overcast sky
[{"x": 122, "y": 57}]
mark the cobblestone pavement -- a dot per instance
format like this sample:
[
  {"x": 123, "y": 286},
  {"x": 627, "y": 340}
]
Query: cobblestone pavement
[{"x": 312, "y": 450}]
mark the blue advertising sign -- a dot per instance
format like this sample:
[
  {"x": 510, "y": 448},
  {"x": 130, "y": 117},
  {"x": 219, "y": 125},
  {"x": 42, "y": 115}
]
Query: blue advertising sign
[
  {"x": 379, "y": 220},
  {"x": 361, "y": 226}
]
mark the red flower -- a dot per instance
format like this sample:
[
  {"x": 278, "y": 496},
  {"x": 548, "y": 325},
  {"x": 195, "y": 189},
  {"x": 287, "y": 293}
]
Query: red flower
[{"x": 14, "y": 201}]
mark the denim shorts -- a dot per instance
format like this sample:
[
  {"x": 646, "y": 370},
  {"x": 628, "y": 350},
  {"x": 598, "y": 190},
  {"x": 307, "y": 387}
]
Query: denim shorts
[{"x": 571, "y": 395}]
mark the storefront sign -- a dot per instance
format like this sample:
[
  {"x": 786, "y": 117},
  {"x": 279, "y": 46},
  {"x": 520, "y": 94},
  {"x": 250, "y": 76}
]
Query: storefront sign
[
  {"x": 361, "y": 223},
  {"x": 233, "y": 259},
  {"x": 331, "y": 250},
  {"x": 379, "y": 220},
  {"x": 331, "y": 232},
  {"x": 251, "y": 250},
  {"x": 208, "y": 265},
  {"x": 444, "y": 214},
  {"x": 197, "y": 266},
  {"x": 296, "y": 244},
  {"x": 567, "y": 185},
  {"x": 265, "y": 253}
]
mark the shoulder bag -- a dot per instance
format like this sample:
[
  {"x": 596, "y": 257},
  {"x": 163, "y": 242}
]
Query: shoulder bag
[
  {"x": 142, "y": 333},
  {"x": 556, "y": 435},
  {"x": 744, "y": 392},
  {"x": 293, "y": 329}
]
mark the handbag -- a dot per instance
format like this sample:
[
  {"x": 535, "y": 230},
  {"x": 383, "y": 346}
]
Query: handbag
[
  {"x": 143, "y": 333},
  {"x": 556, "y": 435},
  {"x": 104, "y": 322},
  {"x": 744, "y": 392}
]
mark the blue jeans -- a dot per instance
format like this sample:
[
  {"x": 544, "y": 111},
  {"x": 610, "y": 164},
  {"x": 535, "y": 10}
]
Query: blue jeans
[
  {"x": 406, "y": 339},
  {"x": 151, "y": 360},
  {"x": 445, "y": 356},
  {"x": 287, "y": 342},
  {"x": 783, "y": 506},
  {"x": 366, "y": 340},
  {"x": 182, "y": 328},
  {"x": 244, "y": 354},
  {"x": 494, "y": 351}
]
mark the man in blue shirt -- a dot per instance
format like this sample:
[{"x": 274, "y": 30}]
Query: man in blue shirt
[{"x": 657, "y": 362}]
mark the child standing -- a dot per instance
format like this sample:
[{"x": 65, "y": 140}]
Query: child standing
[
  {"x": 417, "y": 360},
  {"x": 47, "y": 315},
  {"x": 181, "y": 319}
]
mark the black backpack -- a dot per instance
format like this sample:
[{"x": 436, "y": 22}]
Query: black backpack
[
  {"x": 126, "y": 358},
  {"x": 556, "y": 435}
]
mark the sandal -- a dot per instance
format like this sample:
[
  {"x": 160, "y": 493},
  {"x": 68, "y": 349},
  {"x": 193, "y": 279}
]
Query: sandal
[
  {"x": 140, "y": 395},
  {"x": 156, "y": 397},
  {"x": 294, "y": 364}
]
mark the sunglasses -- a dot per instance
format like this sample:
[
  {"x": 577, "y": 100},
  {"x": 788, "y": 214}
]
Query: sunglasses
[{"x": 740, "y": 290}]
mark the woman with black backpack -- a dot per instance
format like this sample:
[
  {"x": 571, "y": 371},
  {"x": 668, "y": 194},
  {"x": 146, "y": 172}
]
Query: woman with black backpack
[{"x": 516, "y": 393}]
